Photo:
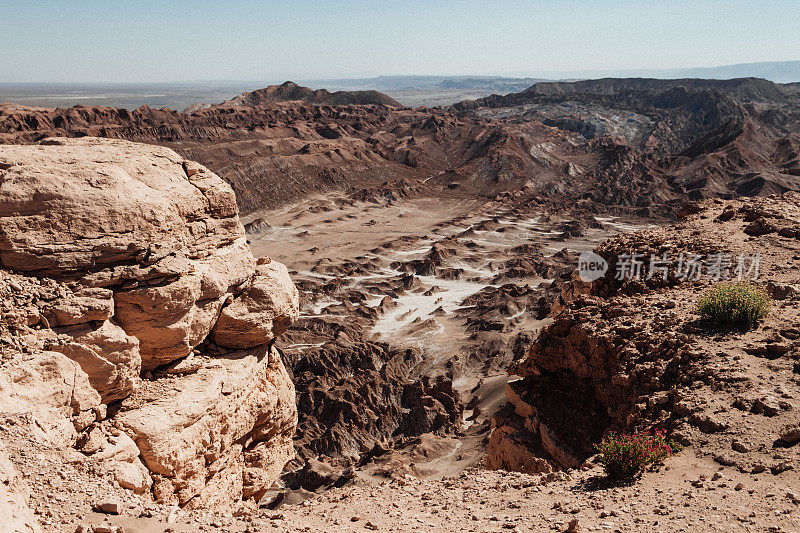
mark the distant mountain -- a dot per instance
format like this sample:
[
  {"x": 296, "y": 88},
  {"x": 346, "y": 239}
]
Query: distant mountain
[
  {"x": 742, "y": 89},
  {"x": 291, "y": 92},
  {"x": 694, "y": 137},
  {"x": 412, "y": 91},
  {"x": 498, "y": 85},
  {"x": 776, "y": 71},
  {"x": 422, "y": 83}
]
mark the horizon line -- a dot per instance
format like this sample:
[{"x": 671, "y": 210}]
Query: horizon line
[{"x": 543, "y": 75}]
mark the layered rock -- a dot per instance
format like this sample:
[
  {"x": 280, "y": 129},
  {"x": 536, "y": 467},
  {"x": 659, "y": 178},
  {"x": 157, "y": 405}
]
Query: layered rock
[
  {"x": 106, "y": 353},
  {"x": 219, "y": 434},
  {"x": 80, "y": 205},
  {"x": 265, "y": 309},
  {"x": 48, "y": 385},
  {"x": 163, "y": 232},
  {"x": 55, "y": 390},
  {"x": 118, "y": 259},
  {"x": 356, "y": 396},
  {"x": 629, "y": 353},
  {"x": 173, "y": 316}
]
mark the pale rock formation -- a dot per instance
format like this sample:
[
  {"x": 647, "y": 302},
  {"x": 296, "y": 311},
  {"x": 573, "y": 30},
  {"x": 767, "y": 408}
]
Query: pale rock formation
[
  {"x": 218, "y": 434},
  {"x": 15, "y": 515},
  {"x": 81, "y": 328},
  {"x": 118, "y": 454},
  {"x": 106, "y": 353},
  {"x": 162, "y": 232},
  {"x": 90, "y": 204},
  {"x": 119, "y": 258},
  {"x": 516, "y": 441},
  {"x": 171, "y": 319},
  {"x": 85, "y": 305},
  {"x": 54, "y": 389},
  {"x": 264, "y": 310}
]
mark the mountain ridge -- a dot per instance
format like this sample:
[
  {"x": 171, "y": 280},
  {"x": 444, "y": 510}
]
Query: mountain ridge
[{"x": 290, "y": 91}]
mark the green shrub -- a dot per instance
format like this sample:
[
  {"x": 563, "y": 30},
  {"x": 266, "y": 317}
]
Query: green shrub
[
  {"x": 624, "y": 456},
  {"x": 736, "y": 303}
]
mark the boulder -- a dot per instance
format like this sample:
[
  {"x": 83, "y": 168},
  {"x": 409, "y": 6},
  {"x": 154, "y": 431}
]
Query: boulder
[
  {"x": 108, "y": 355},
  {"x": 115, "y": 454},
  {"x": 86, "y": 305},
  {"x": 54, "y": 390},
  {"x": 172, "y": 318},
  {"x": 266, "y": 308},
  {"x": 759, "y": 226},
  {"x": 72, "y": 205},
  {"x": 258, "y": 225},
  {"x": 515, "y": 445},
  {"x": 790, "y": 434},
  {"x": 316, "y": 474},
  {"x": 220, "y": 434}
]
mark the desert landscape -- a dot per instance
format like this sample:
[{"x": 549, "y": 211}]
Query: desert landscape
[{"x": 402, "y": 303}]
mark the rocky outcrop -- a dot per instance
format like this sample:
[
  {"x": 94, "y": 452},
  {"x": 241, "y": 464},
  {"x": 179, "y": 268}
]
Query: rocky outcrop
[
  {"x": 16, "y": 515},
  {"x": 356, "y": 396},
  {"x": 216, "y": 435},
  {"x": 121, "y": 258},
  {"x": 265, "y": 309},
  {"x": 53, "y": 388},
  {"x": 289, "y": 91},
  {"x": 84, "y": 205},
  {"x": 165, "y": 234},
  {"x": 105, "y": 352},
  {"x": 629, "y": 352}
]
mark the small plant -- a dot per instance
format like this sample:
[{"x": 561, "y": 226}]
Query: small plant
[
  {"x": 735, "y": 304},
  {"x": 624, "y": 456}
]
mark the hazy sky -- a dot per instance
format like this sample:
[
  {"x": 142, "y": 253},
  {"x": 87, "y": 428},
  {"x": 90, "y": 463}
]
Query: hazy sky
[{"x": 163, "y": 40}]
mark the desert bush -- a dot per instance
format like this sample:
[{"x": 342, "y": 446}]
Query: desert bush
[
  {"x": 624, "y": 456},
  {"x": 736, "y": 304}
]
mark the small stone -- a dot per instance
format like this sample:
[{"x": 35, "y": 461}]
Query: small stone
[
  {"x": 355, "y": 518},
  {"x": 758, "y": 227},
  {"x": 91, "y": 441},
  {"x": 706, "y": 423},
  {"x": 767, "y": 406},
  {"x": 132, "y": 476},
  {"x": 777, "y": 349},
  {"x": 108, "y": 507},
  {"x": 740, "y": 446},
  {"x": 790, "y": 434},
  {"x": 780, "y": 291},
  {"x": 724, "y": 459},
  {"x": 573, "y": 526}
]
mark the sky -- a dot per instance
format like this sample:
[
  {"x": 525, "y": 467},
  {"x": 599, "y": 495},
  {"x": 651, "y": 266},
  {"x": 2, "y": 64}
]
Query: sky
[{"x": 164, "y": 41}]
